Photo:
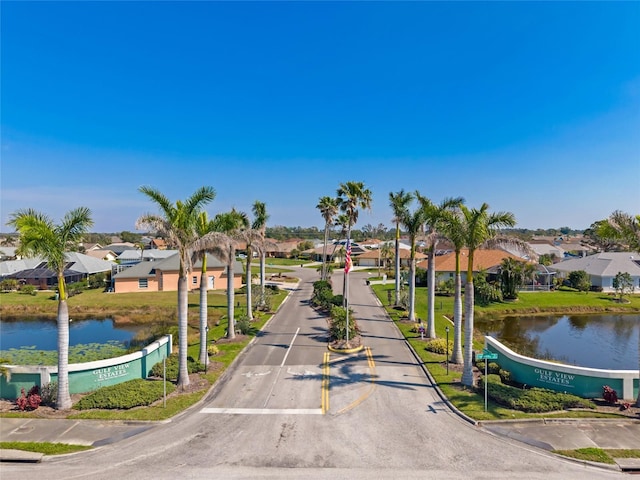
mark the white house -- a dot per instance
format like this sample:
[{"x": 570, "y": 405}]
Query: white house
[{"x": 602, "y": 268}]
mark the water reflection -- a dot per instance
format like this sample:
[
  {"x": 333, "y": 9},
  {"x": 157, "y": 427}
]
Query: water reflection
[
  {"x": 596, "y": 341},
  {"x": 41, "y": 334}
]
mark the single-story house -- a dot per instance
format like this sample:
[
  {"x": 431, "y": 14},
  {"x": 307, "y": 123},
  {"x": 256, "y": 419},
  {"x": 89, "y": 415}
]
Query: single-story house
[
  {"x": 44, "y": 279},
  {"x": 102, "y": 254},
  {"x": 162, "y": 276},
  {"x": 372, "y": 258},
  {"x": 335, "y": 252},
  {"x": 34, "y": 271},
  {"x": 483, "y": 259},
  {"x": 602, "y": 268}
]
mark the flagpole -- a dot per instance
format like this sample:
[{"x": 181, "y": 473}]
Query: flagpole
[{"x": 347, "y": 269}]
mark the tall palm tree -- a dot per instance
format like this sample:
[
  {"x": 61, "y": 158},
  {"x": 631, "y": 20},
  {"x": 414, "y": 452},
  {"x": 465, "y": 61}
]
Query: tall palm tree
[
  {"x": 413, "y": 222},
  {"x": 177, "y": 223},
  {"x": 351, "y": 197},
  {"x": 453, "y": 229},
  {"x": 435, "y": 215},
  {"x": 259, "y": 225},
  {"x": 39, "y": 236},
  {"x": 205, "y": 229},
  {"x": 232, "y": 224},
  {"x": 479, "y": 227},
  {"x": 328, "y": 207},
  {"x": 399, "y": 202},
  {"x": 627, "y": 228}
]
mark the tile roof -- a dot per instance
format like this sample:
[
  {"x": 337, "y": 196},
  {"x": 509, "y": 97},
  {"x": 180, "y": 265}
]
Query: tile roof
[{"x": 482, "y": 260}]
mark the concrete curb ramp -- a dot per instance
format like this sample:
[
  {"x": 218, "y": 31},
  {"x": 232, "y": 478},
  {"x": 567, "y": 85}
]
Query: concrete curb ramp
[{"x": 20, "y": 456}]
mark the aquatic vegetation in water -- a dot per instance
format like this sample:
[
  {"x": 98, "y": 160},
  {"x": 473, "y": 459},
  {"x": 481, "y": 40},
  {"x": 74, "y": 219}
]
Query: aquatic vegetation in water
[{"x": 81, "y": 353}]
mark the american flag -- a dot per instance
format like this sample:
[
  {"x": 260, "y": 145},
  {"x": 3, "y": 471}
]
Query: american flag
[{"x": 347, "y": 261}]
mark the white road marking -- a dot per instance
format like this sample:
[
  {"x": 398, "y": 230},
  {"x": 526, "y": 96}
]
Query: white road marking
[
  {"x": 260, "y": 374},
  {"x": 264, "y": 411}
]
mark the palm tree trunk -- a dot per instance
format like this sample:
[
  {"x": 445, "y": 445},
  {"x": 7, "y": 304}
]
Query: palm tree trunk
[
  {"x": 397, "y": 287},
  {"x": 431, "y": 294},
  {"x": 467, "y": 372},
  {"x": 262, "y": 278},
  {"x": 231, "y": 326},
  {"x": 204, "y": 323},
  {"x": 63, "y": 401},
  {"x": 324, "y": 252},
  {"x": 412, "y": 290},
  {"x": 456, "y": 355},
  {"x": 183, "y": 305},
  {"x": 249, "y": 284}
]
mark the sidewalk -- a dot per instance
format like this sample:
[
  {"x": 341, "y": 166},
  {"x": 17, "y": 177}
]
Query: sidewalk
[{"x": 93, "y": 433}]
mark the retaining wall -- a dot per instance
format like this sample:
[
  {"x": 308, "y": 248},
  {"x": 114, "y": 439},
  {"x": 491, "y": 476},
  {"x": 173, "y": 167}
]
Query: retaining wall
[
  {"x": 581, "y": 381},
  {"x": 89, "y": 376}
]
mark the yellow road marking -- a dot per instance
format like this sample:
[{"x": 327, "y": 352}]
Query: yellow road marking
[
  {"x": 372, "y": 367},
  {"x": 324, "y": 403}
]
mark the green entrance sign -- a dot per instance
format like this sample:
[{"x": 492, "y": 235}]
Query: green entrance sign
[{"x": 487, "y": 356}]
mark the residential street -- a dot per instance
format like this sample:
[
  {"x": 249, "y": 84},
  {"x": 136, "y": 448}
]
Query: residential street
[{"x": 289, "y": 408}]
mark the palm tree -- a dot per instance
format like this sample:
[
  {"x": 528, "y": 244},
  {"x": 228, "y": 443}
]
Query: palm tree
[
  {"x": 39, "y": 236},
  {"x": 627, "y": 228},
  {"x": 259, "y": 225},
  {"x": 328, "y": 207},
  {"x": 435, "y": 215},
  {"x": 479, "y": 227},
  {"x": 205, "y": 228},
  {"x": 177, "y": 223},
  {"x": 232, "y": 224},
  {"x": 351, "y": 196},
  {"x": 387, "y": 253},
  {"x": 453, "y": 229},
  {"x": 399, "y": 202},
  {"x": 413, "y": 222}
]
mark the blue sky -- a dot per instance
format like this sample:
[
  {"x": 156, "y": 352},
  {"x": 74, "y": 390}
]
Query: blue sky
[{"x": 533, "y": 108}]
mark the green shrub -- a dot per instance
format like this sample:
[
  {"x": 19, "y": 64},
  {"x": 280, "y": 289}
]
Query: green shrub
[
  {"x": 533, "y": 400},
  {"x": 243, "y": 324},
  {"x": 28, "y": 289},
  {"x": 173, "y": 367},
  {"x": 438, "y": 345},
  {"x": 134, "y": 393},
  {"x": 338, "y": 327},
  {"x": 49, "y": 394}
]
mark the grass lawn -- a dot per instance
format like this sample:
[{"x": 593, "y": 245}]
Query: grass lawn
[
  {"x": 467, "y": 401},
  {"x": 44, "y": 448}
]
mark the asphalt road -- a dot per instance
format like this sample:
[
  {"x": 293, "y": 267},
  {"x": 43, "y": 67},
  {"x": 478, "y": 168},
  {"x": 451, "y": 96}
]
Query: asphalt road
[{"x": 291, "y": 409}]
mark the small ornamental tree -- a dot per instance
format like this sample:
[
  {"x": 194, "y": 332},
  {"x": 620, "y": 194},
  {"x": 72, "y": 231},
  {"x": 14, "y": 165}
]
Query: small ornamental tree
[{"x": 623, "y": 284}]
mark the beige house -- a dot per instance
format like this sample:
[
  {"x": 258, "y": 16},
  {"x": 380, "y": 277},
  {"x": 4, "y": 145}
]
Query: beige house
[{"x": 162, "y": 276}]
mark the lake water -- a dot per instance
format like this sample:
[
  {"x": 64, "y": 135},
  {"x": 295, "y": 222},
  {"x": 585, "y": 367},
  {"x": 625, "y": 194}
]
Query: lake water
[
  {"x": 43, "y": 334},
  {"x": 595, "y": 341}
]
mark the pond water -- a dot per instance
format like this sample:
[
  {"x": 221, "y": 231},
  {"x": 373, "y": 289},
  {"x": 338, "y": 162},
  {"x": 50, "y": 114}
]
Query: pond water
[
  {"x": 43, "y": 334},
  {"x": 595, "y": 341}
]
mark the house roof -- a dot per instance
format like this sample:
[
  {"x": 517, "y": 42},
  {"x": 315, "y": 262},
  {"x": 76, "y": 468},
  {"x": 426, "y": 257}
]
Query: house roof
[
  {"x": 145, "y": 269},
  {"x": 9, "y": 267},
  {"x": 153, "y": 254},
  {"x": 100, "y": 253},
  {"x": 404, "y": 254},
  {"x": 482, "y": 260},
  {"x": 79, "y": 262},
  {"x": 606, "y": 264}
]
